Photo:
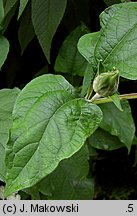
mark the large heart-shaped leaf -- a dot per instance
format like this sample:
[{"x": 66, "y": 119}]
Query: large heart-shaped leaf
[
  {"x": 50, "y": 124},
  {"x": 7, "y": 100},
  {"x": 117, "y": 42}
]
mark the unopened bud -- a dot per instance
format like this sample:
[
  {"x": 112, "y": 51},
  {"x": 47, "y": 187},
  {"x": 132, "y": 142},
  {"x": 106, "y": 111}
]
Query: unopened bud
[{"x": 106, "y": 84}]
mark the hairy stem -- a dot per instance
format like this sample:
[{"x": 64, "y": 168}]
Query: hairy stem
[{"x": 108, "y": 99}]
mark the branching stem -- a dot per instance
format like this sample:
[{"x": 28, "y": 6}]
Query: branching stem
[{"x": 108, "y": 99}]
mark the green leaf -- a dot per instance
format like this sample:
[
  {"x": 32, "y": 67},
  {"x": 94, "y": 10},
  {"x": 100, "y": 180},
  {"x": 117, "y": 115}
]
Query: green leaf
[
  {"x": 7, "y": 100},
  {"x": 69, "y": 59},
  {"x": 86, "y": 46},
  {"x": 33, "y": 192},
  {"x": 4, "y": 135},
  {"x": 117, "y": 43},
  {"x": 9, "y": 5},
  {"x": 69, "y": 181},
  {"x": 1, "y": 11},
  {"x": 46, "y": 17},
  {"x": 26, "y": 31},
  {"x": 50, "y": 124},
  {"x": 88, "y": 78},
  {"x": 116, "y": 101},
  {"x": 22, "y": 6},
  {"x": 101, "y": 139},
  {"x": 4, "y": 49},
  {"x": 118, "y": 123}
]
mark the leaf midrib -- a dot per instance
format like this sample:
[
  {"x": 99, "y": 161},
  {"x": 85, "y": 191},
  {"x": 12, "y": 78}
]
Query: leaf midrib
[
  {"x": 22, "y": 119},
  {"x": 38, "y": 143},
  {"x": 115, "y": 47}
]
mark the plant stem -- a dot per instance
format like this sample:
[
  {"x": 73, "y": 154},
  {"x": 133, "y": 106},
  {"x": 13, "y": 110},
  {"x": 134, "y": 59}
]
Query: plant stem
[
  {"x": 89, "y": 93},
  {"x": 108, "y": 99}
]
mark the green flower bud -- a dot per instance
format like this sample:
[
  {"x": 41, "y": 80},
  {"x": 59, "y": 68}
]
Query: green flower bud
[{"x": 106, "y": 84}]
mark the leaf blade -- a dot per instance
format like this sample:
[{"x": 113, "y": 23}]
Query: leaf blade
[
  {"x": 22, "y": 6},
  {"x": 46, "y": 16},
  {"x": 7, "y": 99},
  {"x": 69, "y": 60},
  {"x": 9, "y": 5},
  {"x": 4, "y": 49},
  {"x": 119, "y": 123},
  {"x": 26, "y": 31},
  {"x": 1, "y": 11},
  {"x": 86, "y": 46},
  {"x": 101, "y": 139},
  {"x": 116, "y": 101},
  {"x": 70, "y": 177},
  {"x": 50, "y": 124},
  {"x": 117, "y": 43}
]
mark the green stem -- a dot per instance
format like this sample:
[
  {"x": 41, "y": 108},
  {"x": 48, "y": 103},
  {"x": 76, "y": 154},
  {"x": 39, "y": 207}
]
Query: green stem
[
  {"x": 89, "y": 92},
  {"x": 121, "y": 97}
]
